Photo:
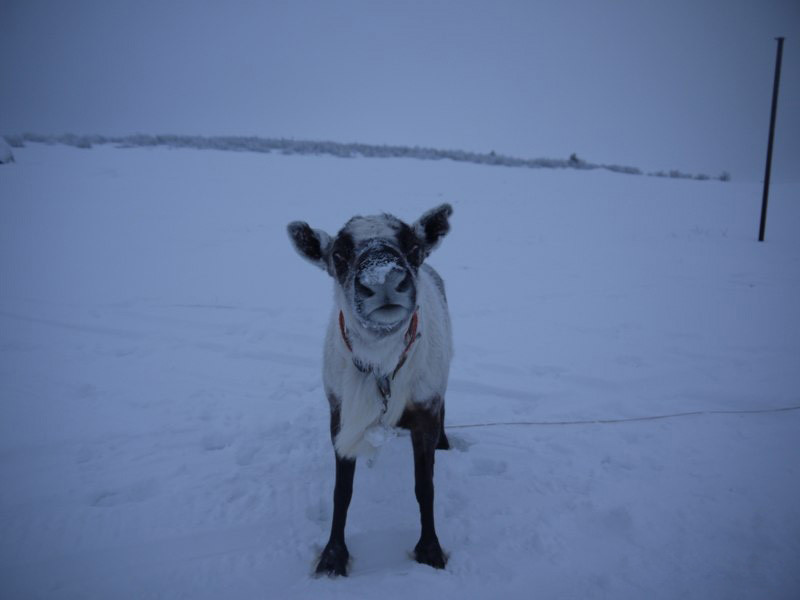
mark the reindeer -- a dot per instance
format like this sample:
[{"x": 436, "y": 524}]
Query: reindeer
[{"x": 387, "y": 356}]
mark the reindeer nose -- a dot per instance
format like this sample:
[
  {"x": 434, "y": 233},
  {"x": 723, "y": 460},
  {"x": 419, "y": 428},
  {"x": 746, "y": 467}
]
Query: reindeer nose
[
  {"x": 382, "y": 279},
  {"x": 395, "y": 278}
]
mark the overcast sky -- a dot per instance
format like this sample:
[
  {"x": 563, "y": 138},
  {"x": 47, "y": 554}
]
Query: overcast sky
[{"x": 659, "y": 85}]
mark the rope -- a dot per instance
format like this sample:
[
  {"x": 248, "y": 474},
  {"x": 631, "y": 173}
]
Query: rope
[{"x": 629, "y": 419}]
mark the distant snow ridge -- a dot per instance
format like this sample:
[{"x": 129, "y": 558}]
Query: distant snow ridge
[
  {"x": 6, "y": 156},
  {"x": 351, "y": 150}
]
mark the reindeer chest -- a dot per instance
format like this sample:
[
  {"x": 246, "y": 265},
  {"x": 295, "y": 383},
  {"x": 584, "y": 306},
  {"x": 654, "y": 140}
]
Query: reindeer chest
[
  {"x": 372, "y": 389},
  {"x": 386, "y": 394},
  {"x": 377, "y": 369}
]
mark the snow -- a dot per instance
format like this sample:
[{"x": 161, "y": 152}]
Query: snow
[
  {"x": 6, "y": 156},
  {"x": 164, "y": 433},
  {"x": 374, "y": 272}
]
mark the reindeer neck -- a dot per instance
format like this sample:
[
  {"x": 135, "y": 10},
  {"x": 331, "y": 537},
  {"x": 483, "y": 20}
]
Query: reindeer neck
[{"x": 382, "y": 355}]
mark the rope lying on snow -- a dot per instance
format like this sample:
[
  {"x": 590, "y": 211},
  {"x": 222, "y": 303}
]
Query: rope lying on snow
[{"x": 629, "y": 419}]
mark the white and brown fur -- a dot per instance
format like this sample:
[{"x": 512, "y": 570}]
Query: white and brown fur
[{"x": 380, "y": 282}]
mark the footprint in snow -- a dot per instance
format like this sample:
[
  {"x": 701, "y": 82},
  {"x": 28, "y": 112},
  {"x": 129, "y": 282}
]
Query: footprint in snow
[
  {"x": 488, "y": 466},
  {"x": 86, "y": 391},
  {"x": 246, "y": 452},
  {"x": 459, "y": 443},
  {"x": 135, "y": 492},
  {"x": 630, "y": 361},
  {"x": 218, "y": 440}
]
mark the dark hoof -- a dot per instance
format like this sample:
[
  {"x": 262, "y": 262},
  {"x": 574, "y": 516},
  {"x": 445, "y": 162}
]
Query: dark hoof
[
  {"x": 430, "y": 553},
  {"x": 444, "y": 443},
  {"x": 333, "y": 560}
]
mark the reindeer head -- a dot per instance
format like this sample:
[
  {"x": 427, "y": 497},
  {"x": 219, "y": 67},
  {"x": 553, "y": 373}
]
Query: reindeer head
[{"x": 375, "y": 261}]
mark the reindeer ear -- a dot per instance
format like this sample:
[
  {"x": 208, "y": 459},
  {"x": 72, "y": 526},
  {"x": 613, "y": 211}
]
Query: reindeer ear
[
  {"x": 432, "y": 227},
  {"x": 312, "y": 244}
]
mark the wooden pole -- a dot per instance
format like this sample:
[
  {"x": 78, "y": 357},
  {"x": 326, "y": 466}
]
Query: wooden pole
[{"x": 767, "y": 174}]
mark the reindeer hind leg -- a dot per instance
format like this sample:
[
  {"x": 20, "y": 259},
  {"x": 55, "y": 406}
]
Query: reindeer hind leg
[
  {"x": 443, "y": 443},
  {"x": 425, "y": 431}
]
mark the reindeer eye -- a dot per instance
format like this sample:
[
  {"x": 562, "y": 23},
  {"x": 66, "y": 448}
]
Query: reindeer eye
[
  {"x": 339, "y": 262},
  {"x": 414, "y": 255},
  {"x": 405, "y": 284}
]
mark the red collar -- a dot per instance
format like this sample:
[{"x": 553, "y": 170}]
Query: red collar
[{"x": 410, "y": 337}]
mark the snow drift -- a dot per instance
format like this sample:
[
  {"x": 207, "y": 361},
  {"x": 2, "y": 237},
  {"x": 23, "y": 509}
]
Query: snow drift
[{"x": 164, "y": 433}]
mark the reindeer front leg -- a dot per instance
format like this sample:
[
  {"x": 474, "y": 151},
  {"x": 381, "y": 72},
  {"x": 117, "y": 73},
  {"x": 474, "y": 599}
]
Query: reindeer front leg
[
  {"x": 335, "y": 556},
  {"x": 425, "y": 431}
]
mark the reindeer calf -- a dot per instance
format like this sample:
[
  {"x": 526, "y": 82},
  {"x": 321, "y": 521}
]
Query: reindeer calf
[{"x": 387, "y": 355}]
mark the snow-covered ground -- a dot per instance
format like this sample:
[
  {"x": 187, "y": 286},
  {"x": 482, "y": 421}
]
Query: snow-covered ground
[{"x": 163, "y": 431}]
